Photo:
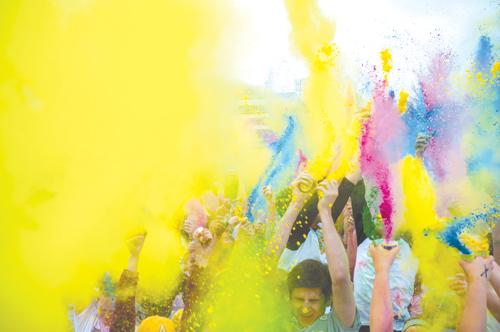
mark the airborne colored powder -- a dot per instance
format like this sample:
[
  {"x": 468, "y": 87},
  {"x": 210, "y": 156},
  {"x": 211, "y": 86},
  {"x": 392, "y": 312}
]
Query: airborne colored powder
[
  {"x": 329, "y": 123},
  {"x": 107, "y": 127},
  {"x": 119, "y": 117},
  {"x": 382, "y": 145},
  {"x": 423, "y": 223}
]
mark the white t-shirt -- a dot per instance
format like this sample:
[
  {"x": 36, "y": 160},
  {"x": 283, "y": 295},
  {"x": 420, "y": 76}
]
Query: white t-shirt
[
  {"x": 401, "y": 282},
  {"x": 309, "y": 249}
]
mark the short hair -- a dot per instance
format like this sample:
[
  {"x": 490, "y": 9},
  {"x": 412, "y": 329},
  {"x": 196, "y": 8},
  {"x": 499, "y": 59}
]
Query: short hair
[{"x": 310, "y": 273}]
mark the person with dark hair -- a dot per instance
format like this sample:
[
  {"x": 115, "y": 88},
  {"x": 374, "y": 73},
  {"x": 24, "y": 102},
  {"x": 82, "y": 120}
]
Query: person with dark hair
[
  {"x": 310, "y": 289},
  {"x": 314, "y": 286}
]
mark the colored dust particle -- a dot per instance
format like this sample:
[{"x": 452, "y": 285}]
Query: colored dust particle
[
  {"x": 495, "y": 69},
  {"x": 381, "y": 146},
  {"x": 128, "y": 129},
  {"x": 422, "y": 221},
  {"x": 475, "y": 243},
  {"x": 469, "y": 234},
  {"x": 330, "y": 123},
  {"x": 386, "y": 57},
  {"x": 403, "y": 100}
]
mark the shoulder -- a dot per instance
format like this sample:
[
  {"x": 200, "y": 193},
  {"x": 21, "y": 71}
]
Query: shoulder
[{"x": 336, "y": 326}]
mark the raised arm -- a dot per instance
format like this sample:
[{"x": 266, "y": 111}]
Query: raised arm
[
  {"x": 124, "y": 313},
  {"x": 381, "y": 307},
  {"x": 350, "y": 238},
  {"x": 493, "y": 303},
  {"x": 278, "y": 243},
  {"x": 474, "y": 314},
  {"x": 494, "y": 276},
  {"x": 496, "y": 243},
  {"x": 301, "y": 227},
  {"x": 338, "y": 266},
  {"x": 271, "y": 206}
]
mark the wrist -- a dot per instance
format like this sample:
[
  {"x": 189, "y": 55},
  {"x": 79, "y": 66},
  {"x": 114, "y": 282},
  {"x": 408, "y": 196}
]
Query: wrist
[
  {"x": 478, "y": 281},
  {"x": 132, "y": 263},
  {"x": 324, "y": 211},
  {"x": 298, "y": 202},
  {"x": 354, "y": 177},
  {"x": 382, "y": 269}
]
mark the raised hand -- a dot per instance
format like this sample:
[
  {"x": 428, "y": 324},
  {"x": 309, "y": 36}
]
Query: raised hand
[
  {"x": 477, "y": 269},
  {"x": 135, "y": 244},
  {"x": 383, "y": 257},
  {"x": 421, "y": 144},
  {"x": 458, "y": 283},
  {"x": 189, "y": 227},
  {"x": 267, "y": 192},
  {"x": 303, "y": 186},
  {"x": 203, "y": 236},
  {"x": 328, "y": 192}
]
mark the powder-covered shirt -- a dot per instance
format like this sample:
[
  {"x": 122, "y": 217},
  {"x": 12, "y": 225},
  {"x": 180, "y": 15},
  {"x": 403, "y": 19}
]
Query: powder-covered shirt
[
  {"x": 492, "y": 325},
  {"x": 401, "y": 282},
  {"x": 330, "y": 323}
]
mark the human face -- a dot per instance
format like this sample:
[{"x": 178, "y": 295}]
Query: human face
[{"x": 307, "y": 304}]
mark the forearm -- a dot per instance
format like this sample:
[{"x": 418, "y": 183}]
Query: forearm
[
  {"x": 271, "y": 214},
  {"x": 336, "y": 255},
  {"x": 360, "y": 211},
  {"x": 132, "y": 263},
  {"x": 124, "y": 312},
  {"x": 493, "y": 303},
  {"x": 474, "y": 314},
  {"x": 277, "y": 245},
  {"x": 338, "y": 266},
  {"x": 352, "y": 248},
  {"x": 346, "y": 188},
  {"x": 496, "y": 243},
  {"x": 381, "y": 309},
  {"x": 194, "y": 287},
  {"x": 495, "y": 278}
]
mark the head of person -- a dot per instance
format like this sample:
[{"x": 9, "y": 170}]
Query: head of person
[
  {"x": 156, "y": 324},
  {"x": 310, "y": 289}
]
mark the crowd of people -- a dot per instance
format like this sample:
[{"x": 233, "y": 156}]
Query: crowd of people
[{"x": 338, "y": 276}]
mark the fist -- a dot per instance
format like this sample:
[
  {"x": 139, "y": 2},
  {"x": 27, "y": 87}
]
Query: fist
[
  {"x": 383, "y": 257},
  {"x": 327, "y": 192},
  {"x": 202, "y": 235},
  {"x": 135, "y": 243}
]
